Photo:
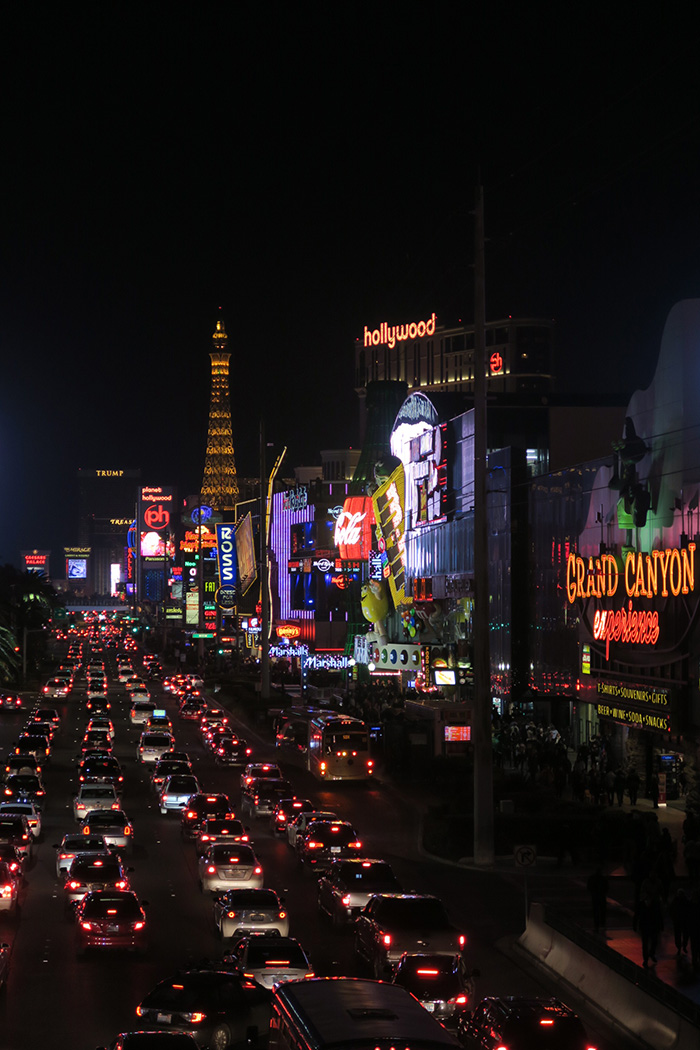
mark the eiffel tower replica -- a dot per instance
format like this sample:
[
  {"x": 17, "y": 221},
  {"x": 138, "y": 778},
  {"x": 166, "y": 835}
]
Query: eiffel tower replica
[{"x": 219, "y": 484}]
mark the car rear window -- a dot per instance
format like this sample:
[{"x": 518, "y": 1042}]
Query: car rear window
[
  {"x": 408, "y": 913},
  {"x": 89, "y": 868},
  {"x": 374, "y": 877},
  {"x": 156, "y": 740},
  {"x": 265, "y": 899},
  {"x": 199, "y": 992},
  {"x": 102, "y": 907},
  {"x": 223, "y": 853},
  {"x": 97, "y": 792},
  {"x": 268, "y": 953}
]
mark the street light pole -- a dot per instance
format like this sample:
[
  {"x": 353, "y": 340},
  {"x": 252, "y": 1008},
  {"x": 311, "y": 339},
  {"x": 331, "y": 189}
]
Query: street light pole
[{"x": 265, "y": 501}]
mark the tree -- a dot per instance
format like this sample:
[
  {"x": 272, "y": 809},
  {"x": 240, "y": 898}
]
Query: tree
[{"x": 27, "y": 600}]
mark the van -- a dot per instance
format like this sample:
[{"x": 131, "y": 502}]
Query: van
[{"x": 342, "y": 1013}]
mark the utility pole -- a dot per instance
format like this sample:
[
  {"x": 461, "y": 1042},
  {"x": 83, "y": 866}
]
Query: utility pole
[
  {"x": 481, "y": 717},
  {"x": 264, "y": 596}
]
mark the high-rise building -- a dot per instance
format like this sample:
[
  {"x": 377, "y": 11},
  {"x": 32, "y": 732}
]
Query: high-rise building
[{"x": 220, "y": 484}]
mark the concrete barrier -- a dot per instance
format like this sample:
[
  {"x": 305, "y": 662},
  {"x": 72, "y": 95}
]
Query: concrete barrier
[{"x": 640, "y": 1014}]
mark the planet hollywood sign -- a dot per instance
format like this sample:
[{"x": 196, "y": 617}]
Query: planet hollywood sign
[
  {"x": 390, "y": 335},
  {"x": 661, "y": 574}
]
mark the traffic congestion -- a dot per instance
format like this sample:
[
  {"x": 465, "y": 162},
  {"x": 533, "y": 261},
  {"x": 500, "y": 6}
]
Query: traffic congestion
[{"x": 195, "y": 870}]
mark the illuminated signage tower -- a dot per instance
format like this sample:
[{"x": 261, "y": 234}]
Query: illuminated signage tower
[{"x": 220, "y": 484}]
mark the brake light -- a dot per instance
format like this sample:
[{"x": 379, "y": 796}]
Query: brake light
[
  {"x": 257, "y": 870},
  {"x": 462, "y": 940},
  {"x": 139, "y": 925},
  {"x": 6, "y": 890},
  {"x": 312, "y": 974},
  {"x": 127, "y": 830},
  {"x": 386, "y": 940},
  {"x": 86, "y": 925},
  {"x": 459, "y": 999},
  {"x": 282, "y": 915},
  {"x": 323, "y": 767},
  {"x": 314, "y": 845},
  {"x": 546, "y": 1021},
  {"x": 73, "y": 885},
  {"x": 204, "y": 838},
  {"x": 196, "y": 1018},
  {"x": 345, "y": 900},
  {"x": 428, "y": 973},
  {"x": 211, "y": 870},
  {"x": 121, "y": 885}
]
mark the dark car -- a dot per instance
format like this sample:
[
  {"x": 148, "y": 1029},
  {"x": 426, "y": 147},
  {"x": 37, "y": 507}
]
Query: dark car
[
  {"x": 217, "y": 1007},
  {"x": 441, "y": 983},
  {"x": 16, "y": 832},
  {"x": 348, "y": 884},
  {"x": 326, "y": 841},
  {"x": 393, "y": 923},
  {"x": 522, "y": 1023},
  {"x": 106, "y": 768},
  {"x": 260, "y": 797},
  {"x": 24, "y": 786},
  {"x": 191, "y": 710},
  {"x": 286, "y": 809},
  {"x": 33, "y": 744},
  {"x": 91, "y": 872},
  {"x": 220, "y": 829},
  {"x": 169, "y": 767},
  {"x": 12, "y": 857},
  {"x": 10, "y": 702},
  {"x": 200, "y": 808},
  {"x": 110, "y": 919},
  {"x": 22, "y": 764},
  {"x": 98, "y": 705},
  {"x": 232, "y": 751}
]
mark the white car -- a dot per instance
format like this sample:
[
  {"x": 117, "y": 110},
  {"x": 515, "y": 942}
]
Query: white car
[
  {"x": 125, "y": 672},
  {"x": 56, "y": 687},
  {"x": 227, "y": 866},
  {"x": 153, "y": 746},
  {"x": 237, "y": 912},
  {"x": 272, "y": 960},
  {"x": 24, "y": 809},
  {"x": 141, "y": 711},
  {"x": 177, "y": 791},
  {"x": 93, "y": 795},
  {"x": 260, "y": 770},
  {"x": 101, "y": 722},
  {"x": 97, "y": 689}
]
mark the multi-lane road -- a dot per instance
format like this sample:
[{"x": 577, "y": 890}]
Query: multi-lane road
[{"x": 54, "y": 998}]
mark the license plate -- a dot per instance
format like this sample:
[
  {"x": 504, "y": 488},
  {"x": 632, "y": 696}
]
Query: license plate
[
  {"x": 335, "y": 849},
  {"x": 429, "y": 1007},
  {"x": 112, "y": 929},
  {"x": 233, "y": 873},
  {"x": 164, "y": 1018}
]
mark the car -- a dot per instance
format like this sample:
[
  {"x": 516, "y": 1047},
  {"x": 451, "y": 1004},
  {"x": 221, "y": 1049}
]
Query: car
[
  {"x": 33, "y": 744},
  {"x": 56, "y": 687},
  {"x": 93, "y": 795},
  {"x": 113, "y": 824},
  {"x": 27, "y": 786},
  {"x": 237, "y": 912},
  {"x": 177, "y": 790},
  {"x": 195, "y": 681},
  {"x": 226, "y": 866},
  {"x": 393, "y": 923},
  {"x": 168, "y": 767},
  {"x": 214, "y": 734},
  {"x": 191, "y": 710},
  {"x": 11, "y": 856},
  {"x": 103, "y": 723},
  {"x": 74, "y": 843},
  {"x": 15, "y": 831},
  {"x": 260, "y": 771},
  {"x": 21, "y": 764},
  {"x": 96, "y": 740},
  {"x": 213, "y": 716},
  {"x": 232, "y": 751},
  {"x": 10, "y": 702},
  {"x": 522, "y": 1022},
  {"x": 326, "y": 841},
  {"x": 125, "y": 672},
  {"x": 93, "y": 871},
  {"x": 347, "y": 885},
  {"x": 270, "y": 960},
  {"x": 151, "y": 1040},
  {"x": 29, "y": 810},
  {"x": 285, "y": 810},
  {"x": 9, "y": 888},
  {"x": 110, "y": 919},
  {"x": 296, "y": 827},
  {"x": 47, "y": 714},
  {"x": 103, "y": 767},
  {"x": 153, "y": 746},
  {"x": 441, "y": 983},
  {"x": 141, "y": 711},
  {"x": 159, "y": 722},
  {"x": 97, "y": 689},
  {"x": 199, "y": 808},
  {"x": 218, "y": 1007},
  {"x": 134, "y": 682},
  {"x": 98, "y": 705},
  {"x": 260, "y": 797},
  {"x": 220, "y": 829}
]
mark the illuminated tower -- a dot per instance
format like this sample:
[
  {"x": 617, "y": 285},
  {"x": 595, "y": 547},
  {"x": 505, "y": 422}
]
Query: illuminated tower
[{"x": 219, "y": 484}]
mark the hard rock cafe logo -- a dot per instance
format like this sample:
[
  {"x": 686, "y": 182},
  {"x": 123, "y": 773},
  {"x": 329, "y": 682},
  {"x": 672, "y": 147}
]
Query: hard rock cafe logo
[{"x": 660, "y": 574}]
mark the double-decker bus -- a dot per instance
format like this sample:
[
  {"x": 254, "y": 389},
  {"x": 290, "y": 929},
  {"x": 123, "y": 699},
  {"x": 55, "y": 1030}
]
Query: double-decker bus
[{"x": 331, "y": 745}]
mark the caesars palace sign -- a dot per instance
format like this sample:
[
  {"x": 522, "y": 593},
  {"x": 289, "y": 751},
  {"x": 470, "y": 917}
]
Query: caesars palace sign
[{"x": 656, "y": 575}]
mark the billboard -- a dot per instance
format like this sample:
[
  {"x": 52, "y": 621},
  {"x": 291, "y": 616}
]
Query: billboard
[
  {"x": 354, "y": 528},
  {"x": 245, "y": 550},
  {"x": 389, "y": 513},
  {"x": 76, "y": 568},
  {"x": 226, "y": 554},
  {"x": 36, "y": 561},
  {"x": 156, "y": 506}
]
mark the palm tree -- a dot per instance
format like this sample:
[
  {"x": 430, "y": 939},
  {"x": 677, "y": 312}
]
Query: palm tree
[{"x": 27, "y": 600}]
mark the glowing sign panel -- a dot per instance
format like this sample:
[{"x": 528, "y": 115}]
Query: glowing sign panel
[
  {"x": 388, "y": 503},
  {"x": 390, "y": 335}
]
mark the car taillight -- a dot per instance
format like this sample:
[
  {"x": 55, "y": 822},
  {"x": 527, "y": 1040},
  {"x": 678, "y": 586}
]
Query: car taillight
[
  {"x": 139, "y": 1011},
  {"x": 190, "y": 815},
  {"x": 462, "y": 940},
  {"x": 73, "y": 885},
  {"x": 115, "y": 805},
  {"x": 345, "y": 900},
  {"x": 86, "y": 926},
  {"x": 547, "y": 1021},
  {"x": 282, "y": 915},
  {"x": 249, "y": 751},
  {"x": 355, "y": 845},
  {"x": 194, "y": 1018},
  {"x": 386, "y": 940},
  {"x": 458, "y": 1000},
  {"x": 139, "y": 925},
  {"x": 6, "y": 890},
  {"x": 323, "y": 767},
  {"x": 204, "y": 838},
  {"x": 257, "y": 870},
  {"x": 314, "y": 845},
  {"x": 121, "y": 885},
  {"x": 211, "y": 870}
]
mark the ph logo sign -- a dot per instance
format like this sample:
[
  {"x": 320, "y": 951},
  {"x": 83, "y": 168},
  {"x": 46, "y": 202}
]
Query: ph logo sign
[{"x": 156, "y": 516}]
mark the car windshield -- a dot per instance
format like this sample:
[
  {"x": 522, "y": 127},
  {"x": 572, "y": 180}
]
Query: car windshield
[
  {"x": 270, "y": 954},
  {"x": 182, "y": 784},
  {"x": 371, "y": 878},
  {"x": 332, "y": 834},
  {"x": 195, "y": 992},
  {"x": 410, "y": 913},
  {"x": 156, "y": 740},
  {"x": 104, "y": 869},
  {"x": 223, "y": 854},
  {"x": 338, "y": 741},
  {"x": 104, "y": 907}
]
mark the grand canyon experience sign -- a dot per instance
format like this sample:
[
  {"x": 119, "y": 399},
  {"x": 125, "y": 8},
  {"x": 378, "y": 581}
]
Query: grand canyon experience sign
[{"x": 642, "y": 576}]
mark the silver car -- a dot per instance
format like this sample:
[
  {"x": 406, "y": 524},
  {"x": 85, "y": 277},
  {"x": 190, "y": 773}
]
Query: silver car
[
  {"x": 153, "y": 746},
  {"x": 250, "y": 911},
  {"x": 73, "y": 844},
  {"x": 177, "y": 791},
  {"x": 348, "y": 884},
  {"x": 112, "y": 824},
  {"x": 94, "y": 796},
  {"x": 225, "y": 866},
  {"x": 272, "y": 960}
]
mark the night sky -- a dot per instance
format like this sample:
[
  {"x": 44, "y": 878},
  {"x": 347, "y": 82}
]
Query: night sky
[{"x": 310, "y": 168}]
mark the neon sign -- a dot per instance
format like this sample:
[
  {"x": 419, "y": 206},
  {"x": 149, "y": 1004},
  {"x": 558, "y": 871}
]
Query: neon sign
[
  {"x": 495, "y": 363},
  {"x": 388, "y": 503},
  {"x": 390, "y": 335},
  {"x": 645, "y": 575},
  {"x": 354, "y": 528},
  {"x": 288, "y": 630}
]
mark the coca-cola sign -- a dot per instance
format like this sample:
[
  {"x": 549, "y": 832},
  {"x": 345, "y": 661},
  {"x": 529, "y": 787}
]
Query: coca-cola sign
[{"x": 354, "y": 528}]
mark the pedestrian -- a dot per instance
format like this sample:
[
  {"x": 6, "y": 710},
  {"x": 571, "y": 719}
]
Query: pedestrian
[
  {"x": 597, "y": 886},
  {"x": 633, "y": 785},
  {"x": 679, "y": 911},
  {"x": 653, "y": 790},
  {"x": 619, "y": 785},
  {"x": 650, "y": 921}
]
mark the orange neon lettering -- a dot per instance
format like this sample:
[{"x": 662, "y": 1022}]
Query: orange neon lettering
[
  {"x": 390, "y": 335},
  {"x": 688, "y": 560},
  {"x": 663, "y": 557},
  {"x": 571, "y": 578},
  {"x": 580, "y": 573},
  {"x": 640, "y": 583},
  {"x": 652, "y": 566},
  {"x": 674, "y": 573},
  {"x": 629, "y": 564}
]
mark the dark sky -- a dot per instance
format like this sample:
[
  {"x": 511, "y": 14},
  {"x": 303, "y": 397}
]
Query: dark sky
[{"x": 310, "y": 168}]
